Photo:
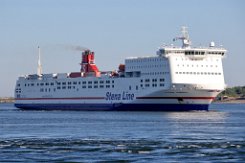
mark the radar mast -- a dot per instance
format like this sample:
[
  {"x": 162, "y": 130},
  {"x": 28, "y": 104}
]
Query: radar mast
[
  {"x": 39, "y": 66},
  {"x": 185, "y": 37}
]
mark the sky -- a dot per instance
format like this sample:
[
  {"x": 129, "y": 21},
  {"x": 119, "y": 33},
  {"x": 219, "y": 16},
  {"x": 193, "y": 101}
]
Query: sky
[{"x": 114, "y": 30}]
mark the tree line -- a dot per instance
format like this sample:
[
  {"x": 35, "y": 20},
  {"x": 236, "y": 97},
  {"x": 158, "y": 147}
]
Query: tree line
[{"x": 238, "y": 91}]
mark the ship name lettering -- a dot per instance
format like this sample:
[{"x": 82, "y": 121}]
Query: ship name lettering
[
  {"x": 128, "y": 96},
  {"x": 119, "y": 96},
  {"x": 113, "y": 96}
]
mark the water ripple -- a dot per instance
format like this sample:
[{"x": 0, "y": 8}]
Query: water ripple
[
  {"x": 213, "y": 136},
  {"x": 95, "y": 150}
]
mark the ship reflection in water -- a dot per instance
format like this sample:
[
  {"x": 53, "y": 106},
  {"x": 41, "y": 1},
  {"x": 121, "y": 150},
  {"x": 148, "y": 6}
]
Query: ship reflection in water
[{"x": 200, "y": 116}]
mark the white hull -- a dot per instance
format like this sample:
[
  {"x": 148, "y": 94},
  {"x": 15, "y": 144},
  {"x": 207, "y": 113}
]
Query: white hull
[{"x": 176, "y": 79}]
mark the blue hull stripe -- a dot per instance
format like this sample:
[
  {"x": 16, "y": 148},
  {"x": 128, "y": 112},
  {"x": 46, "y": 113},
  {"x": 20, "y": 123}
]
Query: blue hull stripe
[{"x": 114, "y": 107}]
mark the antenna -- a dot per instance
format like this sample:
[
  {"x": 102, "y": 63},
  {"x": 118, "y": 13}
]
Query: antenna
[
  {"x": 185, "y": 37},
  {"x": 39, "y": 66}
]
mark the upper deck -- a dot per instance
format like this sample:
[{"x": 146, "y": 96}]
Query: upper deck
[{"x": 166, "y": 51}]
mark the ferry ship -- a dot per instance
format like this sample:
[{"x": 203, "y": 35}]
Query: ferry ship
[{"x": 175, "y": 79}]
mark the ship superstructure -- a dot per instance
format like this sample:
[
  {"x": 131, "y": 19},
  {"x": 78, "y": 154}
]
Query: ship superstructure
[{"x": 176, "y": 79}]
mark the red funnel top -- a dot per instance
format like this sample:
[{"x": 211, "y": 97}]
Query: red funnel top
[{"x": 88, "y": 66}]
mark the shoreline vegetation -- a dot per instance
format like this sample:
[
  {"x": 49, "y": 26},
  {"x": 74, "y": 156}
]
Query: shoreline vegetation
[
  {"x": 229, "y": 95},
  {"x": 231, "y": 100},
  {"x": 232, "y": 95}
]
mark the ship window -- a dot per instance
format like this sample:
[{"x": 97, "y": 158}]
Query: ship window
[
  {"x": 162, "y": 51},
  {"x": 108, "y": 81},
  {"x": 63, "y": 83},
  {"x": 74, "y": 83},
  {"x": 112, "y": 86},
  {"x": 37, "y": 84},
  {"x": 162, "y": 80},
  {"x": 161, "y": 85},
  {"x": 51, "y": 83},
  {"x": 112, "y": 81},
  {"x": 89, "y": 86},
  {"x": 136, "y": 87},
  {"x": 58, "y": 87},
  {"x": 95, "y": 82},
  {"x": 69, "y": 83},
  {"x": 64, "y": 87},
  {"x": 96, "y": 86},
  {"x": 84, "y": 82},
  {"x": 101, "y": 82},
  {"x": 84, "y": 86},
  {"x": 58, "y": 83},
  {"x": 46, "y": 83},
  {"x": 89, "y": 82},
  {"x": 41, "y": 84},
  {"x": 79, "y": 83},
  {"x": 107, "y": 86},
  {"x": 101, "y": 86},
  {"x": 129, "y": 87},
  {"x": 141, "y": 85}
]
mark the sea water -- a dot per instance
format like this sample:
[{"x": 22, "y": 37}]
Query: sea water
[{"x": 217, "y": 135}]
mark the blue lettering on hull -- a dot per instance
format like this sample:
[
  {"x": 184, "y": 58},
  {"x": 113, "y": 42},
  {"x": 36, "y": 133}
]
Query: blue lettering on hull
[{"x": 119, "y": 96}]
